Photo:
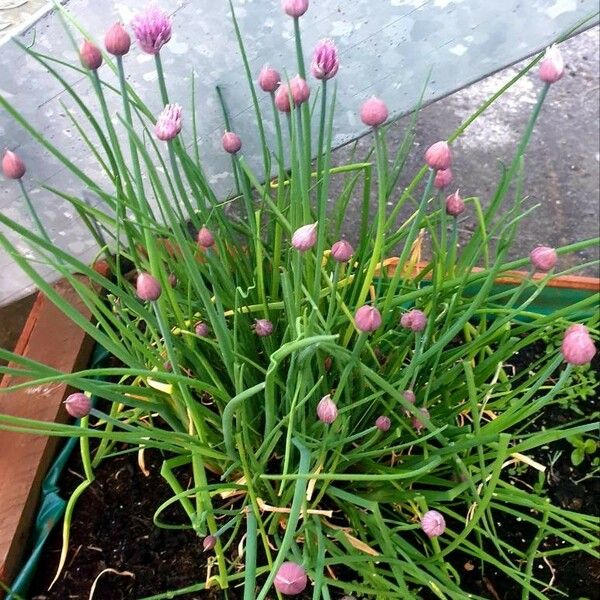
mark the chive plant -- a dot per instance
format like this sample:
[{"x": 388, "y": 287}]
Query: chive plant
[{"x": 347, "y": 417}]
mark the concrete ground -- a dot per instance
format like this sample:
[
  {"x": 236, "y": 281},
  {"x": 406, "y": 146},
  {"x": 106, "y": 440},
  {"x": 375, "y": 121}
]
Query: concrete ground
[{"x": 562, "y": 171}]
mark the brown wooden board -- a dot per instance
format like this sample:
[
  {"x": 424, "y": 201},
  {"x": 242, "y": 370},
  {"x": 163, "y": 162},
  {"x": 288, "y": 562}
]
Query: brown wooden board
[{"x": 51, "y": 338}]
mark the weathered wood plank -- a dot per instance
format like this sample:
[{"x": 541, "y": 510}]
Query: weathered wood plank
[{"x": 49, "y": 337}]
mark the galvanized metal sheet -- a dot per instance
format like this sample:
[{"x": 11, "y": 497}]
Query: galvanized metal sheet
[{"x": 387, "y": 48}]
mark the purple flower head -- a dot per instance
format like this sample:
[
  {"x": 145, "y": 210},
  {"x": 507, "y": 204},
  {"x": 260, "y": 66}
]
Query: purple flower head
[
  {"x": 13, "y": 166},
  {"x": 152, "y": 29},
  {"x": 90, "y": 55},
  {"x": 294, "y": 8},
  {"x": 147, "y": 287},
  {"x": 327, "y": 410},
  {"x": 439, "y": 156},
  {"x": 168, "y": 124},
  {"x": 205, "y": 238},
  {"x": 305, "y": 237},
  {"x": 578, "y": 347},
  {"x": 367, "y": 319},
  {"x": 291, "y": 579},
  {"x": 417, "y": 423},
  {"x": 433, "y": 523},
  {"x": 342, "y": 251},
  {"x": 443, "y": 178},
  {"x": 325, "y": 63},
  {"x": 374, "y": 112},
  {"x": 268, "y": 79},
  {"x": 263, "y": 327},
  {"x": 455, "y": 205},
  {"x": 543, "y": 258},
  {"x": 231, "y": 142},
  {"x": 552, "y": 66},
  {"x": 78, "y": 405},
  {"x": 202, "y": 329},
  {"x": 414, "y": 319},
  {"x": 383, "y": 423}
]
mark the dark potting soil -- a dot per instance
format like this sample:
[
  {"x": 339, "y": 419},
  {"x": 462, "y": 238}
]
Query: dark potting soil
[{"x": 113, "y": 532}]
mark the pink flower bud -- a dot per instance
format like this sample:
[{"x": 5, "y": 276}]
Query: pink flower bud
[
  {"x": 409, "y": 396},
  {"x": 342, "y": 251},
  {"x": 443, "y": 179},
  {"x": 152, "y": 30},
  {"x": 12, "y": 165},
  {"x": 433, "y": 523},
  {"x": 578, "y": 347},
  {"x": 383, "y": 423},
  {"x": 325, "y": 63},
  {"x": 374, "y": 112},
  {"x": 367, "y": 319},
  {"x": 117, "y": 41},
  {"x": 147, "y": 287},
  {"x": 415, "y": 320},
  {"x": 208, "y": 543},
  {"x": 439, "y": 156},
  {"x": 263, "y": 327},
  {"x": 455, "y": 205},
  {"x": 417, "y": 423},
  {"x": 305, "y": 237},
  {"x": 327, "y": 410},
  {"x": 552, "y": 66},
  {"x": 202, "y": 329},
  {"x": 172, "y": 280},
  {"x": 268, "y": 79},
  {"x": 543, "y": 258},
  {"x": 78, "y": 405},
  {"x": 299, "y": 89},
  {"x": 168, "y": 124},
  {"x": 294, "y": 8},
  {"x": 231, "y": 142},
  {"x": 328, "y": 363},
  {"x": 90, "y": 55},
  {"x": 282, "y": 98},
  {"x": 291, "y": 579},
  {"x": 205, "y": 238}
]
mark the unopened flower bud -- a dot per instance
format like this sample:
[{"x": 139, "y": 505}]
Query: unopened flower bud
[
  {"x": 147, "y": 287},
  {"x": 282, "y": 98},
  {"x": 383, "y": 423},
  {"x": 117, "y": 41},
  {"x": 152, "y": 29},
  {"x": 443, "y": 179},
  {"x": 439, "y": 156},
  {"x": 172, "y": 280},
  {"x": 417, "y": 423},
  {"x": 268, "y": 79},
  {"x": 294, "y": 8},
  {"x": 325, "y": 62},
  {"x": 90, "y": 55},
  {"x": 415, "y": 320},
  {"x": 367, "y": 319},
  {"x": 305, "y": 237},
  {"x": 290, "y": 579},
  {"x": 433, "y": 523},
  {"x": 231, "y": 142},
  {"x": 208, "y": 543},
  {"x": 205, "y": 238},
  {"x": 342, "y": 251},
  {"x": 12, "y": 165},
  {"x": 374, "y": 112},
  {"x": 299, "y": 90},
  {"x": 552, "y": 66},
  {"x": 167, "y": 366},
  {"x": 78, "y": 405},
  {"x": 327, "y": 363},
  {"x": 327, "y": 410},
  {"x": 578, "y": 347},
  {"x": 168, "y": 124},
  {"x": 263, "y": 327},
  {"x": 543, "y": 258},
  {"x": 202, "y": 329},
  {"x": 455, "y": 205},
  {"x": 410, "y": 397}
]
